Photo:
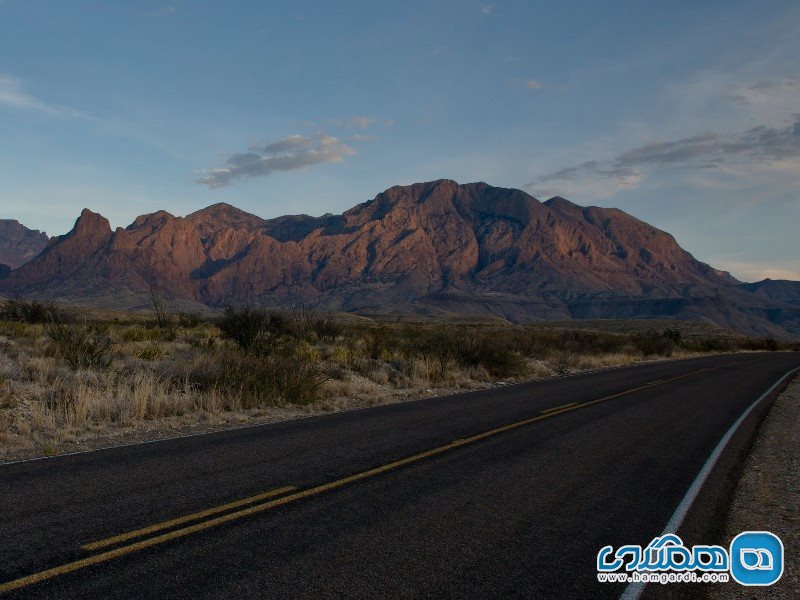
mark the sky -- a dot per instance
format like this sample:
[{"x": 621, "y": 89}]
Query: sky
[{"x": 684, "y": 114}]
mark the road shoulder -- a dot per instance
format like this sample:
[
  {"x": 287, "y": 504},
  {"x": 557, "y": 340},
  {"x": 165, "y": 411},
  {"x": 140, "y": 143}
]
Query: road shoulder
[{"x": 767, "y": 496}]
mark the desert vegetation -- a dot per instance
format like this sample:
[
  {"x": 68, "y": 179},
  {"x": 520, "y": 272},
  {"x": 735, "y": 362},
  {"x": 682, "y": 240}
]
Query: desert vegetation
[{"x": 68, "y": 376}]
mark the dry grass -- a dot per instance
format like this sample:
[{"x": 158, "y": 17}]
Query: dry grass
[{"x": 144, "y": 379}]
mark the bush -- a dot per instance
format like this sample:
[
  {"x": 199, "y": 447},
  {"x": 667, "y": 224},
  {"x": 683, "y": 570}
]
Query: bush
[
  {"x": 494, "y": 353},
  {"x": 716, "y": 344},
  {"x": 259, "y": 379},
  {"x": 252, "y": 328},
  {"x": 564, "y": 361},
  {"x": 652, "y": 343},
  {"x": 497, "y": 357},
  {"x": 327, "y": 328},
  {"x": 85, "y": 346},
  {"x": 188, "y": 320},
  {"x": 29, "y": 311},
  {"x": 149, "y": 352}
]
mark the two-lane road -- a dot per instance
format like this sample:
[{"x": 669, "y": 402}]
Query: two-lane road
[{"x": 507, "y": 492}]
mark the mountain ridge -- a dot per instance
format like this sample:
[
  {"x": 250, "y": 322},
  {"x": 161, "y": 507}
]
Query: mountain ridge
[
  {"x": 18, "y": 244},
  {"x": 426, "y": 248}
]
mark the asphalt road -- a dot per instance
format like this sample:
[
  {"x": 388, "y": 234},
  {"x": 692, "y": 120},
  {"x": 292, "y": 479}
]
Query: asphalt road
[{"x": 482, "y": 494}]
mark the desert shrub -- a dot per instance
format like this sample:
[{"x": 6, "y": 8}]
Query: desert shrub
[
  {"x": 188, "y": 320},
  {"x": 439, "y": 345},
  {"x": 82, "y": 346},
  {"x": 202, "y": 342},
  {"x": 259, "y": 380},
  {"x": 563, "y": 361},
  {"x": 496, "y": 354},
  {"x": 254, "y": 329},
  {"x": 148, "y": 334},
  {"x": 327, "y": 329},
  {"x": 497, "y": 357},
  {"x": 149, "y": 352},
  {"x": 16, "y": 329},
  {"x": 139, "y": 334},
  {"x": 652, "y": 343},
  {"x": 340, "y": 355},
  {"x": 673, "y": 334},
  {"x": 715, "y": 344},
  {"x": 31, "y": 312},
  {"x": 380, "y": 341}
]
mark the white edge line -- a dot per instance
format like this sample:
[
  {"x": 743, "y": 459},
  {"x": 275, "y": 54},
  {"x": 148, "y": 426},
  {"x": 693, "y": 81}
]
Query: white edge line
[{"x": 635, "y": 589}]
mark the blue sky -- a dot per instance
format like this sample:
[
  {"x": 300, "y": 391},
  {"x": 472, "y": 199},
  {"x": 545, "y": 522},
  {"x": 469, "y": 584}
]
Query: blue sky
[{"x": 685, "y": 114}]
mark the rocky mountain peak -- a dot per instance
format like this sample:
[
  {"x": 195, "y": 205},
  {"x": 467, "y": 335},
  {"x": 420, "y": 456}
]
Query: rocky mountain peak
[{"x": 18, "y": 244}]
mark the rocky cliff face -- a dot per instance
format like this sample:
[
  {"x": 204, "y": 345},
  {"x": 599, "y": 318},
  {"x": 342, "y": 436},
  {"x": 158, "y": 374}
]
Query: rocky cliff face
[
  {"x": 436, "y": 247},
  {"x": 18, "y": 244}
]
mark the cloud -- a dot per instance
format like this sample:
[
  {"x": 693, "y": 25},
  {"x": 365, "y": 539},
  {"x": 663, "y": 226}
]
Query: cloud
[
  {"x": 287, "y": 154},
  {"x": 168, "y": 9},
  {"x": 764, "y": 147},
  {"x": 487, "y": 9},
  {"x": 13, "y": 95},
  {"x": 361, "y": 122},
  {"x": 354, "y": 122},
  {"x": 533, "y": 84},
  {"x": 764, "y": 91}
]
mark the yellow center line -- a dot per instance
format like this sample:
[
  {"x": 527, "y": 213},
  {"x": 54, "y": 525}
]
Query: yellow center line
[
  {"x": 258, "y": 508},
  {"x": 124, "y": 537},
  {"x": 547, "y": 410}
]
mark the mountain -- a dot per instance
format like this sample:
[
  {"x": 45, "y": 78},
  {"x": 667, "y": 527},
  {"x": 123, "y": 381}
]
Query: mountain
[
  {"x": 18, "y": 244},
  {"x": 780, "y": 290},
  {"x": 428, "y": 248}
]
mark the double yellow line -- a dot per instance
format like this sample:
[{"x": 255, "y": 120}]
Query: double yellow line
[{"x": 285, "y": 495}]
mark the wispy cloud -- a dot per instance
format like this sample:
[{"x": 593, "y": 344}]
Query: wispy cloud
[
  {"x": 764, "y": 91},
  {"x": 352, "y": 122},
  {"x": 13, "y": 95},
  {"x": 287, "y": 154},
  {"x": 774, "y": 148},
  {"x": 533, "y": 84},
  {"x": 356, "y": 122},
  {"x": 487, "y": 9},
  {"x": 169, "y": 8}
]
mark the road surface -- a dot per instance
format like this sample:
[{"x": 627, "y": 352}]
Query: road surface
[{"x": 507, "y": 492}]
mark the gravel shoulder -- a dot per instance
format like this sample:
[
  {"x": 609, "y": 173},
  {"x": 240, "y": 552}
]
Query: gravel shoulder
[{"x": 767, "y": 497}]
